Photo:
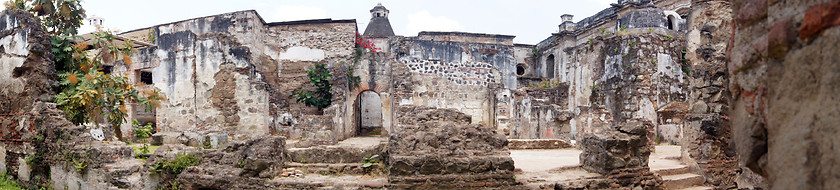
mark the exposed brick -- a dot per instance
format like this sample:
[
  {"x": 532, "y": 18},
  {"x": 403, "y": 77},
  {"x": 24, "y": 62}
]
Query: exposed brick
[
  {"x": 818, "y": 18},
  {"x": 752, "y": 11},
  {"x": 780, "y": 38}
]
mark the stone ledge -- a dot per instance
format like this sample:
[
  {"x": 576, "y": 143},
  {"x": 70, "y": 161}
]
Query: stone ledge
[{"x": 517, "y": 144}]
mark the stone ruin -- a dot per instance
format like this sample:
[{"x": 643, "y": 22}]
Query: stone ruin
[
  {"x": 441, "y": 149},
  {"x": 446, "y": 109}
]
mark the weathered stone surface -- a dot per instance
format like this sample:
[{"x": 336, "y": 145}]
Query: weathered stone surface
[
  {"x": 608, "y": 150},
  {"x": 540, "y": 113},
  {"x": 784, "y": 111},
  {"x": 442, "y": 146},
  {"x": 240, "y": 165},
  {"x": 537, "y": 144},
  {"x": 27, "y": 79}
]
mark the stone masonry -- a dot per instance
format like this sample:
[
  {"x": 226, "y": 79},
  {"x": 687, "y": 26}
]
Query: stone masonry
[
  {"x": 783, "y": 67},
  {"x": 439, "y": 148}
]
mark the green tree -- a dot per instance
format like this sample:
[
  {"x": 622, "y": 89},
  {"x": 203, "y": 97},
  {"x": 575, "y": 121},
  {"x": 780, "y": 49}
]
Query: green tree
[
  {"x": 90, "y": 96},
  {"x": 59, "y": 17},
  {"x": 87, "y": 95}
]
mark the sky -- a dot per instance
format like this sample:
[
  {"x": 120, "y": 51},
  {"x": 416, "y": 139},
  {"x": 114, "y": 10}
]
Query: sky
[{"x": 530, "y": 21}]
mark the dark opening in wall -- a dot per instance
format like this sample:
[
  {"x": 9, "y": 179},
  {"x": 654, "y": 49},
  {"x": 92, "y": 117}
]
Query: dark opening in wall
[
  {"x": 549, "y": 66},
  {"x": 107, "y": 69},
  {"x": 670, "y": 23},
  {"x": 520, "y": 69},
  {"x": 146, "y": 77}
]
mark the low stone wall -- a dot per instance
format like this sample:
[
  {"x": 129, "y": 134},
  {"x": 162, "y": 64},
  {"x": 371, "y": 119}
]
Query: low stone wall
[
  {"x": 610, "y": 149},
  {"x": 541, "y": 113},
  {"x": 620, "y": 153},
  {"x": 537, "y": 144},
  {"x": 443, "y": 150},
  {"x": 239, "y": 166}
]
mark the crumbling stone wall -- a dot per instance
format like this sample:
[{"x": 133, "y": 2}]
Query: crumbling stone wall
[
  {"x": 540, "y": 113},
  {"x": 620, "y": 152},
  {"x": 244, "y": 165},
  {"x": 439, "y": 148},
  {"x": 27, "y": 77},
  {"x": 705, "y": 131},
  {"x": 452, "y": 75},
  {"x": 234, "y": 73},
  {"x": 784, "y": 85},
  {"x": 632, "y": 74}
]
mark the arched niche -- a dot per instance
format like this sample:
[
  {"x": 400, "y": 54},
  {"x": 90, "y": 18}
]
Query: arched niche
[{"x": 549, "y": 66}]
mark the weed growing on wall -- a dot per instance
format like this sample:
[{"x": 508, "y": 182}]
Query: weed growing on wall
[
  {"x": 319, "y": 77},
  {"x": 175, "y": 166},
  {"x": 545, "y": 83},
  {"x": 362, "y": 45}
]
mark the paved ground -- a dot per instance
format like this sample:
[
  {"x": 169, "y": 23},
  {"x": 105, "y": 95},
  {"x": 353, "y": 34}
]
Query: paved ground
[
  {"x": 362, "y": 142},
  {"x": 538, "y": 160},
  {"x": 553, "y": 165},
  {"x": 665, "y": 156},
  {"x": 547, "y": 166}
]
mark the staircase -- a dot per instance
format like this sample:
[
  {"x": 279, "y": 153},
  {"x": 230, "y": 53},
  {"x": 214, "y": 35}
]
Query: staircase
[
  {"x": 335, "y": 166},
  {"x": 675, "y": 175}
]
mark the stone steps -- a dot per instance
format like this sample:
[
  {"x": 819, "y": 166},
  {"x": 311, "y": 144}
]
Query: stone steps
[
  {"x": 698, "y": 188},
  {"x": 681, "y": 169},
  {"x": 353, "y": 150},
  {"x": 332, "y": 168},
  {"x": 680, "y": 181},
  {"x": 126, "y": 173},
  {"x": 316, "y": 181}
]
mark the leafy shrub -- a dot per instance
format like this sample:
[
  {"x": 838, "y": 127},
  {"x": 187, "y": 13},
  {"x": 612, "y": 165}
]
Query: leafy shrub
[
  {"x": 319, "y": 77},
  {"x": 176, "y": 166}
]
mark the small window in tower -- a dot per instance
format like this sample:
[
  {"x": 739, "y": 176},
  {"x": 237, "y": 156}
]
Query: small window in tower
[
  {"x": 107, "y": 69},
  {"x": 146, "y": 77}
]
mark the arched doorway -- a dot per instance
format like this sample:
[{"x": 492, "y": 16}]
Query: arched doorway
[
  {"x": 671, "y": 22},
  {"x": 370, "y": 112},
  {"x": 549, "y": 66}
]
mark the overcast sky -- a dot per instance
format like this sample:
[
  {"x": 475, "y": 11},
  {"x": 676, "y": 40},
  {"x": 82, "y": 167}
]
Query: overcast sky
[{"x": 529, "y": 20}]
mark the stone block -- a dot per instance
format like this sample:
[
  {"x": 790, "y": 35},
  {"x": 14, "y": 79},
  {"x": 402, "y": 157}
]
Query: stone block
[
  {"x": 608, "y": 150},
  {"x": 538, "y": 144},
  {"x": 443, "y": 148},
  {"x": 162, "y": 138}
]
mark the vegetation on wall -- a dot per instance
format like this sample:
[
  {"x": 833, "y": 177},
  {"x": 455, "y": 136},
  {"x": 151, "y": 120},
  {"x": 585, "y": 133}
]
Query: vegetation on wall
[
  {"x": 319, "y": 77},
  {"x": 545, "y": 83},
  {"x": 362, "y": 45},
  {"x": 87, "y": 94},
  {"x": 175, "y": 166},
  {"x": 91, "y": 96}
]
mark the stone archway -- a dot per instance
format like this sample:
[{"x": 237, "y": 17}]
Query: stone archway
[{"x": 370, "y": 114}]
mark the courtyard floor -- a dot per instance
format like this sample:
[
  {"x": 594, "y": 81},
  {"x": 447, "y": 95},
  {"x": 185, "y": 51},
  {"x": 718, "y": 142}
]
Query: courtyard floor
[{"x": 547, "y": 166}]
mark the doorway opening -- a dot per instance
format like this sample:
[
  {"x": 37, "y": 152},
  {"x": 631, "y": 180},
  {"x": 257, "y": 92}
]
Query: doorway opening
[{"x": 370, "y": 113}]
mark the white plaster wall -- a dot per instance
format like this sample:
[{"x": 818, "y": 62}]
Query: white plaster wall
[
  {"x": 298, "y": 53},
  {"x": 180, "y": 95},
  {"x": 16, "y": 49},
  {"x": 371, "y": 109},
  {"x": 253, "y": 112}
]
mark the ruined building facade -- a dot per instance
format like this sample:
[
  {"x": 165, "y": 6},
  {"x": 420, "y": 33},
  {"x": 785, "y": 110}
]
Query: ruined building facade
[{"x": 638, "y": 73}]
